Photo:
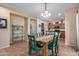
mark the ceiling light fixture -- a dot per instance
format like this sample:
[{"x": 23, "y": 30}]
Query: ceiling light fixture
[{"x": 45, "y": 13}]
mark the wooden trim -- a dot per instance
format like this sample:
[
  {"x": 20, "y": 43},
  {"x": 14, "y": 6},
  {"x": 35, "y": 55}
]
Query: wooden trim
[{"x": 14, "y": 14}]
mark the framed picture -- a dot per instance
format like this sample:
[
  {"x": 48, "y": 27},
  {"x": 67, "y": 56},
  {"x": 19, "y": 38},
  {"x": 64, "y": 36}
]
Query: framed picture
[{"x": 3, "y": 23}]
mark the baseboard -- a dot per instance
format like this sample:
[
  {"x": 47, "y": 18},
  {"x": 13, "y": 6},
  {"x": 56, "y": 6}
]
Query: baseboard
[
  {"x": 18, "y": 41},
  {"x": 70, "y": 45},
  {"x": 4, "y": 46}
]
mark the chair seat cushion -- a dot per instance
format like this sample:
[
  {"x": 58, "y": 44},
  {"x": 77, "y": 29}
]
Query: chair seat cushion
[
  {"x": 36, "y": 48},
  {"x": 51, "y": 45},
  {"x": 50, "y": 48}
]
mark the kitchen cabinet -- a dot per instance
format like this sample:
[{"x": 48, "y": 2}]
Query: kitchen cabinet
[
  {"x": 62, "y": 34},
  {"x": 52, "y": 26}
]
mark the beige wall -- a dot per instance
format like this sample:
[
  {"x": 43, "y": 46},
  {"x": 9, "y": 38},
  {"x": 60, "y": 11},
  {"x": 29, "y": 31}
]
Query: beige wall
[
  {"x": 16, "y": 20},
  {"x": 70, "y": 27},
  {"x": 5, "y": 33}
]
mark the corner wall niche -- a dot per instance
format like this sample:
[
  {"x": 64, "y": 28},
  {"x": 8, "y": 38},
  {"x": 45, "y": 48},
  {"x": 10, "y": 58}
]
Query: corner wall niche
[
  {"x": 17, "y": 28},
  {"x": 17, "y": 32}
]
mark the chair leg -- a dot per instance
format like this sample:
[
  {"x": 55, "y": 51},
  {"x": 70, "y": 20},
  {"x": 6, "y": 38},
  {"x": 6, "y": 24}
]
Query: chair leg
[
  {"x": 30, "y": 51},
  {"x": 37, "y": 53},
  {"x": 56, "y": 51},
  {"x": 52, "y": 52}
]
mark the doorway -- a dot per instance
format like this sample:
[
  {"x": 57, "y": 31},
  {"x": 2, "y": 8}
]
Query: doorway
[
  {"x": 42, "y": 28},
  {"x": 33, "y": 26}
]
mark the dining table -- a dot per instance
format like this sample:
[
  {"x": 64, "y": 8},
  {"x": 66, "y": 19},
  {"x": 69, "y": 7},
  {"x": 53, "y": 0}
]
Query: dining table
[{"x": 45, "y": 40}]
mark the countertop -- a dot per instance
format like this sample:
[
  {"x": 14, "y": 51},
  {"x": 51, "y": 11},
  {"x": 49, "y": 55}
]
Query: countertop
[{"x": 56, "y": 29}]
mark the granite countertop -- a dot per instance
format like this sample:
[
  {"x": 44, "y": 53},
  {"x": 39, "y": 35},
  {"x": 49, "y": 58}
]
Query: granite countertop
[{"x": 57, "y": 29}]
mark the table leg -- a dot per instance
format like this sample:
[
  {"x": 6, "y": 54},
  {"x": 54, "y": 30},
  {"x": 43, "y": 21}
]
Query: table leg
[{"x": 46, "y": 49}]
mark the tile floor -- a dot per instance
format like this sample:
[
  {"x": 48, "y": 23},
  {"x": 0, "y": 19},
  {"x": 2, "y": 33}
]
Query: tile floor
[
  {"x": 21, "y": 49},
  {"x": 66, "y": 50}
]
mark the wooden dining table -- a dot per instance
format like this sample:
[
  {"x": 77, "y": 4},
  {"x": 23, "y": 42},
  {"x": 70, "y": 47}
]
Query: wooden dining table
[{"x": 45, "y": 41}]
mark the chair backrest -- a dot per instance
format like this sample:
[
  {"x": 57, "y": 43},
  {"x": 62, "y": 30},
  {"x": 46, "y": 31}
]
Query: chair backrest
[
  {"x": 40, "y": 34},
  {"x": 50, "y": 33},
  {"x": 31, "y": 40},
  {"x": 35, "y": 34},
  {"x": 57, "y": 31},
  {"x": 55, "y": 39}
]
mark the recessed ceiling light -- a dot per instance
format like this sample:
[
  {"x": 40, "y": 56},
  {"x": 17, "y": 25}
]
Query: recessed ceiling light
[{"x": 59, "y": 14}]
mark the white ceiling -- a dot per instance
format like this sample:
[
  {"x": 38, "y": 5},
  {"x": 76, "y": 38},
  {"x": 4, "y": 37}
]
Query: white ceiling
[{"x": 34, "y": 9}]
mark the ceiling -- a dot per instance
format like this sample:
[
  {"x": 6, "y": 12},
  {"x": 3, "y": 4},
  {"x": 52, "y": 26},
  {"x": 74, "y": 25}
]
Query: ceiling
[{"x": 34, "y": 9}]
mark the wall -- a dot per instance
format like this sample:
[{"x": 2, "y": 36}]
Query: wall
[
  {"x": 16, "y": 20},
  {"x": 5, "y": 33},
  {"x": 39, "y": 22},
  {"x": 28, "y": 25},
  {"x": 70, "y": 27},
  {"x": 26, "y": 28}
]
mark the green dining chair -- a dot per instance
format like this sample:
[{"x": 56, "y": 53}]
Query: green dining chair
[
  {"x": 33, "y": 45},
  {"x": 54, "y": 44},
  {"x": 40, "y": 34},
  {"x": 50, "y": 33},
  {"x": 37, "y": 34}
]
